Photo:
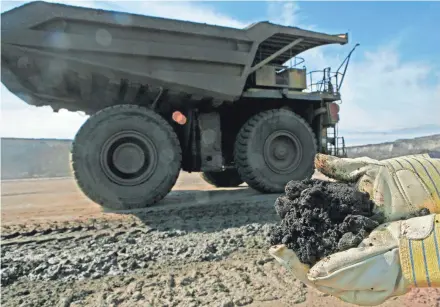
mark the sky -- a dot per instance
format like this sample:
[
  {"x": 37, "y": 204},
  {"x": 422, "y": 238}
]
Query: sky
[{"x": 392, "y": 86}]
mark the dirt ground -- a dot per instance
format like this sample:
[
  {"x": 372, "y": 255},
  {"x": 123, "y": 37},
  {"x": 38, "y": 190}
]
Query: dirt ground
[
  {"x": 58, "y": 199},
  {"x": 200, "y": 246}
]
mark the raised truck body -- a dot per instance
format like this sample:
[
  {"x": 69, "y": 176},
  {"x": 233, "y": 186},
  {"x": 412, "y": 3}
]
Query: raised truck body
[{"x": 165, "y": 95}]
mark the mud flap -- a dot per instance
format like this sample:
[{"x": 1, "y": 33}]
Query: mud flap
[{"x": 210, "y": 142}]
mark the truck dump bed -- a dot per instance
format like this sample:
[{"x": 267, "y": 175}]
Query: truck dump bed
[{"x": 86, "y": 59}]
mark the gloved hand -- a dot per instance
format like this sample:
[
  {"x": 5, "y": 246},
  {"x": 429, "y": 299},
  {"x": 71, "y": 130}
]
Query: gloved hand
[
  {"x": 368, "y": 275},
  {"x": 394, "y": 258},
  {"x": 398, "y": 186}
]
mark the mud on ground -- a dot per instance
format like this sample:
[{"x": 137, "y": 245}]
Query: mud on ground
[
  {"x": 205, "y": 254},
  {"x": 210, "y": 250}
]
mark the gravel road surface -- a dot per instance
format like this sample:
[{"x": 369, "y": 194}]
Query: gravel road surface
[{"x": 198, "y": 247}]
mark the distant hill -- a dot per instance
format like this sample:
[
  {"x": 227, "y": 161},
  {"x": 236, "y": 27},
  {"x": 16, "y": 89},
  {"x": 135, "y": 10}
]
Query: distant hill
[
  {"x": 357, "y": 138},
  {"x": 34, "y": 158},
  {"x": 397, "y": 148}
]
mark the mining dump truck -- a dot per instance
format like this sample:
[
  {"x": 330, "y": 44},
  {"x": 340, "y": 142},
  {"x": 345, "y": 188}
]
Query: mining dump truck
[{"x": 166, "y": 95}]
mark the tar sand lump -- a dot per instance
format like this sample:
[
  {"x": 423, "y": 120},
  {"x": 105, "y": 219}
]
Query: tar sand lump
[{"x": 320, "y": 218}]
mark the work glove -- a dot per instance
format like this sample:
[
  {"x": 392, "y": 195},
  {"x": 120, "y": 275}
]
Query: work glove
[
  {"x": 395, "y": 257},
  {"x": 398, "y": 186}
]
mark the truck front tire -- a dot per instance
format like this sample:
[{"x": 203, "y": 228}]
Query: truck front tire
[
  {"x": 126, "y": 157},
  {"x": 273, "y": 148},
  {"x": 229, "y": 178}
]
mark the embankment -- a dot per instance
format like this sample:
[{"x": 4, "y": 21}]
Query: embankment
[
  {"x": 396, "y": 148},
  {"x": 34, "y": 158}
]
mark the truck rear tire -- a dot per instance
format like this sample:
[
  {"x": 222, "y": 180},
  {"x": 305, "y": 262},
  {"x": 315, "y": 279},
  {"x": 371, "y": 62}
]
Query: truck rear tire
[
  {"x": 226, "y": 179},
  {"x": 273, "y": 148},
  {"x": 126, "y": 157}
]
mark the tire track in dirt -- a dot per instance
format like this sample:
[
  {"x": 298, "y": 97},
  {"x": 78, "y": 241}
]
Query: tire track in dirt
[
  {"x": 212, "y": 219},
  {"x": 210, "y": 211}
]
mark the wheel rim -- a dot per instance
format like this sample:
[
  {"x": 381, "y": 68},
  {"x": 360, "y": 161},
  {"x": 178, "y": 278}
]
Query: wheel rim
[
  {"x": 128, "y": 158},
  {"x": 282, "y": 152}
]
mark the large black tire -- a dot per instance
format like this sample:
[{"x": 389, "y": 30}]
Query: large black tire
[
  {"x": 126, "y": 157},
  {"x": 273, "y": 148},
  {"x": 227, "y": 179}
]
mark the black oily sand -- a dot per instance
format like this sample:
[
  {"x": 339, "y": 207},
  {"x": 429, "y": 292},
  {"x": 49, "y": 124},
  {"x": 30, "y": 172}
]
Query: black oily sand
[{"x": 320, "y": 218}]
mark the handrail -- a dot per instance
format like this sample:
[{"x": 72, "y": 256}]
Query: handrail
[
  {"x": 295, "y": 63},
  {"x": 330, "y": 81}
]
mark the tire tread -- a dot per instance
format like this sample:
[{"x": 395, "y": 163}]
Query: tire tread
[
  {"x": 96, "y": 119},
  {"x": 242, "y": 141}
]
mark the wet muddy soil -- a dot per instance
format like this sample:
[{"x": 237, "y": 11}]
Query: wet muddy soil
[
  {"x": 320, "y": 218},
  {"x": 198, "y": 248}
]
